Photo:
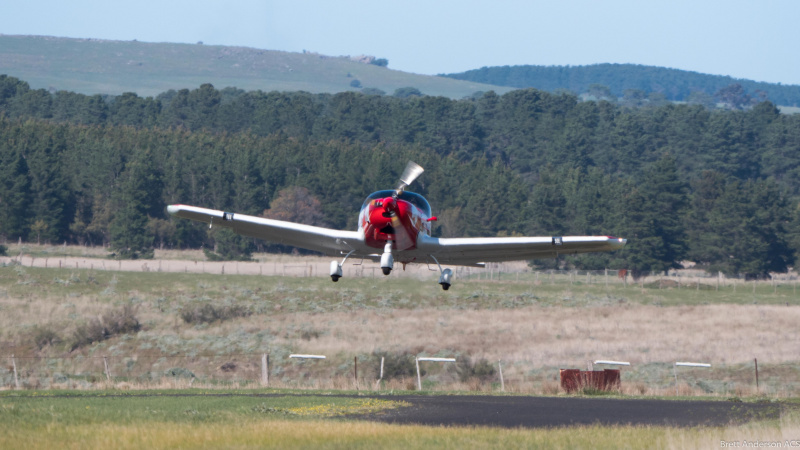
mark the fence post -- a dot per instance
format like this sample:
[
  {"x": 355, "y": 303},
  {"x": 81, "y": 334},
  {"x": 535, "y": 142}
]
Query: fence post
[
  {"x": 675, "y": 372},
  {"x": 265, "y": 369},
  {"x": 502, "y": 383},
  {"x": 14, "y": 365},
  {"x": 756, "y": 361},
  {"x": 105, "y": 364},
  {"x": 355, "y": 370},
  {"x": 419, "y": 380}
]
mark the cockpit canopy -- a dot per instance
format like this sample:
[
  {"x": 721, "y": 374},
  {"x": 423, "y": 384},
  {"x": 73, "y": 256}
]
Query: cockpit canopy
[{"x": 415, "y": 199}]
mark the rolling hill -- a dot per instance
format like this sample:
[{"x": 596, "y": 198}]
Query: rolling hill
[
  {"x": 92, "y": 66},
  {"x": 676, "y": 85}
]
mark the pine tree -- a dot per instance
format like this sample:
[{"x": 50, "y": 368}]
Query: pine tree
[
  {"x": 652, "y": 215},
  {"x": 51, "y": 197},
  {"x": 133, "y": 199},
  {"x": 14, "y": 194}
]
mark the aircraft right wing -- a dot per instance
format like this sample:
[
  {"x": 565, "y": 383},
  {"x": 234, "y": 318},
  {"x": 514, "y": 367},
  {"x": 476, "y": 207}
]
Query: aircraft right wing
[
  {"x": 324, "y": 240},
  {"x": 470, "y": 251}
]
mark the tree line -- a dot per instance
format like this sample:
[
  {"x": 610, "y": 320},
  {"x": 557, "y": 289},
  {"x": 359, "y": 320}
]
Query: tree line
[
  {"x": 672, "y": 84},
  {"x": 680, "y": 181}
]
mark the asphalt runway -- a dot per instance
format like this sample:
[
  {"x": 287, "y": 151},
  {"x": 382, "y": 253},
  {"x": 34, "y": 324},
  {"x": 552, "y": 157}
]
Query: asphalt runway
[{"x": 539, "y": 412}]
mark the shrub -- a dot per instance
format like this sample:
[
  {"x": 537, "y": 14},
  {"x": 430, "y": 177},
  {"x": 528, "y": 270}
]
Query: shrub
[
  {"x": 179, "y": 372},
  {"x": 114, "y": 322},
  {"x": 44, "y": 336},
  {"x": 3, "y": 250},
  {"x": 208, "y": 313},
  {"x": 309, "y": 334},
  {"x": 467, "y": 370},
  {"x": 396, "y": 365},
  {"x": 380, "y": 62}
]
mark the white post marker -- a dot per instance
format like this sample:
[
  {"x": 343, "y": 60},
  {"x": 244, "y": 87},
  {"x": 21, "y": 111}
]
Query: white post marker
[
  {"x": 685, "y": 364},
  {"x": 419, "y": 379},
  {"x": 691, "y": 364},
  {"x": 308, "y": 356},
  {"x": 378, "y": 383},
  {"x": 264, "y": 370},
  {"x": 613, "y": 363}
]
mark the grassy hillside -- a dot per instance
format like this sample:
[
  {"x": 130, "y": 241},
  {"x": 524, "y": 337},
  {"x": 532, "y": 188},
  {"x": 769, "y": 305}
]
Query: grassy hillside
[{"x": 92, "y": 66}]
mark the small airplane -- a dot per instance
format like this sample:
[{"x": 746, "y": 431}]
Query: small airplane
[{"x": 395, "y": 226}]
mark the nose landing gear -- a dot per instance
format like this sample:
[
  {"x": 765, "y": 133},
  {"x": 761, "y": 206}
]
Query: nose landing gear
[{"x": 387, "y": 260}]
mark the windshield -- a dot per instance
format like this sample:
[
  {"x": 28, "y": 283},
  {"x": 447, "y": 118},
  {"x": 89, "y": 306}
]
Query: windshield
[{"x": 415, "y": 199}]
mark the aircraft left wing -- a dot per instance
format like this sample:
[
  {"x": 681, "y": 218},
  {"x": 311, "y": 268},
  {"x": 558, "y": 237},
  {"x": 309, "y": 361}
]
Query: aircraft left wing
[
  {"x": 324, "y": 240},
  {"x": 469, "y": 251}
]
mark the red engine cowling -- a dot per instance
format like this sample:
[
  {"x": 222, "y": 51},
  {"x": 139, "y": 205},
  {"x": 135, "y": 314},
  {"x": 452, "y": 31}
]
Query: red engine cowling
[{"x": 385, "y": 217}]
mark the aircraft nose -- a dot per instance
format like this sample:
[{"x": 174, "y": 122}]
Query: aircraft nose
[{"x": 389, "y": 204}]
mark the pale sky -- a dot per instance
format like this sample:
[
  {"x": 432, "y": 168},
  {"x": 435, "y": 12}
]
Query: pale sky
[{"x": 755, "y": 40}]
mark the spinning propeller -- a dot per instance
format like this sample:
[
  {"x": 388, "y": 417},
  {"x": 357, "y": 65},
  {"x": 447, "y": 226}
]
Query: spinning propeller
[{"x": 411, "y": 172}]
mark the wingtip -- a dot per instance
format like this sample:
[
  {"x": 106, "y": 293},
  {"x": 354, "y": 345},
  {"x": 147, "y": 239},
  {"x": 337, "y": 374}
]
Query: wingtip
[{"x": 173, "y": 209}]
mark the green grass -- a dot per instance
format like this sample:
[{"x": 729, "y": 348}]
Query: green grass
[
  {"x": 155, "y": 419},
  {"x": 67, "y": 408}
]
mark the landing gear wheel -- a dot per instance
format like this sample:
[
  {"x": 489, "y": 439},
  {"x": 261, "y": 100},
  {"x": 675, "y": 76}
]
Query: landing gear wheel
[
  {"x": 386, "y": 270},
  {"x": 336, "y": 269},
  {"x": 444, "y": 280}
]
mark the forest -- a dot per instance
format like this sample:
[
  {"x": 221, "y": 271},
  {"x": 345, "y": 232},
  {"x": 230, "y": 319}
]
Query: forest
[
  {"x": 683, "y": 183},
  {"x": 672, "y": 84}
]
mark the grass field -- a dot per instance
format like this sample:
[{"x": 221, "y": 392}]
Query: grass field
[
  {"x": 155, "y": 419},
  {"x": 534, "y": 324}
]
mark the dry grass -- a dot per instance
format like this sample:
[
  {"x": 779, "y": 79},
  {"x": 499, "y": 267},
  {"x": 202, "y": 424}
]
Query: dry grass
[
  {"x": 541, "y": 335},
  {"x": 327, "y": 434},
  {"x": 534, "y": 326}
]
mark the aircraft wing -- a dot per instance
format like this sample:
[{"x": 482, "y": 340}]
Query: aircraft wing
[
  {"x": 324, "y": 240},
  {"x": 470, "y": 251}
]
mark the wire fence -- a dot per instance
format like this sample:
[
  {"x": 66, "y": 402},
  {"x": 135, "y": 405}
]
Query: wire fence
[
  {"x": 319, "y": 267},
  {"x": 252, "y": 370}
]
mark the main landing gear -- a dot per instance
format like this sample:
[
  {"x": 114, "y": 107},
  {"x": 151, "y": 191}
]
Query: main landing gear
[
  {"x": 336, "y": 268},
  {"x": 387, "y": 264},
  {"x": 446, "y": 275}
]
